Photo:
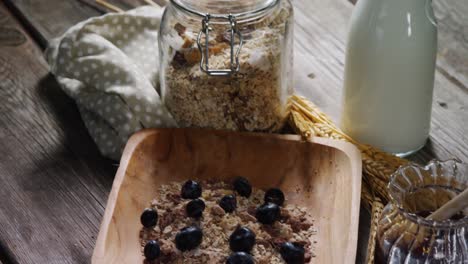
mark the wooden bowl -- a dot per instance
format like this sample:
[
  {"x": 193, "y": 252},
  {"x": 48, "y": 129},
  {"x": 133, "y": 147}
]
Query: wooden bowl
[{"x": 323, "y": 175}]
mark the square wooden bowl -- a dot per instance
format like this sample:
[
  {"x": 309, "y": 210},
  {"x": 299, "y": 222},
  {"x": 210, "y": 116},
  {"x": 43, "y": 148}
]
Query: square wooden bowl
[{"x": 323, "y": 175}]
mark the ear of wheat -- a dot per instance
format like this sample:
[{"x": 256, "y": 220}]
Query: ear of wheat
[{"x": 307, "y": 120}]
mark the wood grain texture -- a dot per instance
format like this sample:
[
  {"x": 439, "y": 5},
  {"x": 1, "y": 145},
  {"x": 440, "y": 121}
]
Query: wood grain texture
[
  {"x": 453, "y": 40},
  {"x": 51, "y": 18},
  {"x": 323, "y": 176},
  {"x": 54, "y": 18},
  {"x": 321, "y": 29},
  {"x": 54, "y": 183}
]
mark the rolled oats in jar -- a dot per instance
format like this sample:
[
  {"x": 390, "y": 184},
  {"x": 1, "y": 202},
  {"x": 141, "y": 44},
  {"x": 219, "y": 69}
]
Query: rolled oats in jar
[{"x": 227, "y": 64}]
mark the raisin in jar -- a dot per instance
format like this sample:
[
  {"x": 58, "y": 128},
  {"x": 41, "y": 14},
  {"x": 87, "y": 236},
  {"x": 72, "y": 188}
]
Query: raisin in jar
[
  {"x": 227, "y": 64},
  {"x": 404, "y": 233}
]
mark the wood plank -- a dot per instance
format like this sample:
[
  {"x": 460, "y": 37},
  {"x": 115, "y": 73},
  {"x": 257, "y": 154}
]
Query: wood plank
[
  {"x": 43, "y": 20},
  {"x": 53, "y": 178},
  {"x": 321, "y": 28},
  {"x": 51, "y": 19},
  {"x": 453, "y": 40}
]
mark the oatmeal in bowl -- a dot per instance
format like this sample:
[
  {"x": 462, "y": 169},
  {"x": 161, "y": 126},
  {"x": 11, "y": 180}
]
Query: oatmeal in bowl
[{"x": 225, "y": 222}]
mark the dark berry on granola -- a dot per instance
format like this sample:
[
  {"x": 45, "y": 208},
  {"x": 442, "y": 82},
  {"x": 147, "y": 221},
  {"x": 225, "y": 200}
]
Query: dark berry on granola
[
  {"x": 274, "y": 195},
  {"x": 242, "y": 187},
  {"x": 240, "y": 258},
  {"x": 152, "y": 250},
  {"x": 242, "y": 239},
  {"x": 228, "y": 203},
  {"x": 195, "y": 208},
  {"x": 268, "y": 213},
  {"x": 149, "y": 218},
  {"x": 188, "y": 238},
  {"x": 191, "y": 190},
  {"x": 292, "y": 253}
]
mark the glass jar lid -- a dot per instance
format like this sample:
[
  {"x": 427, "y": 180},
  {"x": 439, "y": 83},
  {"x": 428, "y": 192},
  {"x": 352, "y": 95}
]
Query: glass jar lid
[{"x": 241, "y": 9}]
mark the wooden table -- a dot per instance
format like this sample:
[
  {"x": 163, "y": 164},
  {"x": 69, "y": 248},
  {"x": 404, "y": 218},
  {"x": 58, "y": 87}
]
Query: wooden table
[{"x": 54, "y": 183}]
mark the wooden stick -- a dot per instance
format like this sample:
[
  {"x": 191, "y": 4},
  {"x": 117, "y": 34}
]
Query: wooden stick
[
  {"x": 110, "y": 6},
  {"x": 457, "y": 204}
]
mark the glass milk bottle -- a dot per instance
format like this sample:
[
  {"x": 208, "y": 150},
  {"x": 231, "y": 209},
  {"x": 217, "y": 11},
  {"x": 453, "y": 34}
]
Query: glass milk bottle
[{"x": 389, "y": 74}]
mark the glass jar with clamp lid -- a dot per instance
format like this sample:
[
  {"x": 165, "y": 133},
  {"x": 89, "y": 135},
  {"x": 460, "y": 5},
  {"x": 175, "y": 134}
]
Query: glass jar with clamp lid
[{"x": 227, "y": 64}]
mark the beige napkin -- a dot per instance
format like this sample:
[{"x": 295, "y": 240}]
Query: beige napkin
[{"x": 109, "y": 66}]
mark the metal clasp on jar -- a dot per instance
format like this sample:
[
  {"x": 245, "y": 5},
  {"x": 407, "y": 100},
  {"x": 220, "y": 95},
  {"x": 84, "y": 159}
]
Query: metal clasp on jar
[{"x": 205, "y": 50}]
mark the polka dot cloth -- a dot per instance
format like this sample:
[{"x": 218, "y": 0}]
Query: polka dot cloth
[{"x": 109, "y": 66}]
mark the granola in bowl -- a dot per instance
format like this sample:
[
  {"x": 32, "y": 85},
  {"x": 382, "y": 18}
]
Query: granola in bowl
[{"x": 220, "y": 222}]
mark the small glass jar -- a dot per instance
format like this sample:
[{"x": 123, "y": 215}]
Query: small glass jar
[
  {"x": 405, "y": 235},
  {"x": 227, "y": 64}
]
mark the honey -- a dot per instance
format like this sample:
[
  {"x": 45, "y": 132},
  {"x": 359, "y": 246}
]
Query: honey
[{"x": 405, "y": 235}]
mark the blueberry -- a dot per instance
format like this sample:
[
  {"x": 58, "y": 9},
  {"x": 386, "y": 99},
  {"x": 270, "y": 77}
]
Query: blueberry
[
  {"x": 188, "y": 238},
  {"x": 240, "y": 258},
  {"x": 149, "y": 218},
  {"x": 191, "y": 190},
  {"x": 242, "y": 187},
  {"x": 242, "y": 239},
  {"x": 195, "y": 208},
  {"x": 228, "y": 203},
  {"x": 274, "y": 195},
  {"x": 152, "y": 250},
  {"x": 292, "y": 253},
  {"x": 268, "y": 213}
]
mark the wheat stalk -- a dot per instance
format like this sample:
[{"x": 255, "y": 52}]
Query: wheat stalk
[
  {"x": 110, "y": 6},
  {"x": 378, "y": 166},
  {"x": 309, "y": 121},
  {"x": 151, "y": 3}
]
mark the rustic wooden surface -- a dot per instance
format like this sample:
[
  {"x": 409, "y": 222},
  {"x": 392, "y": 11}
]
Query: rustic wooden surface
[
  {"x": 54, "y": 182},
  {"x": 157, "y": 156}
]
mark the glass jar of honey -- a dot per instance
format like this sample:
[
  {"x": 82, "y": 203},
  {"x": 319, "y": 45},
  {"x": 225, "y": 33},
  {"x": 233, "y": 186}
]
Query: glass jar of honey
[{"x": 405, "y": 235}]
